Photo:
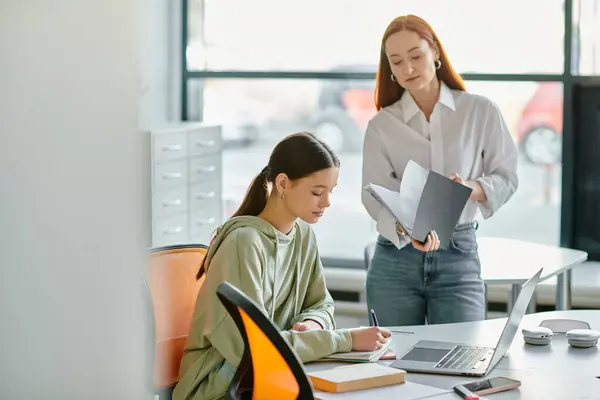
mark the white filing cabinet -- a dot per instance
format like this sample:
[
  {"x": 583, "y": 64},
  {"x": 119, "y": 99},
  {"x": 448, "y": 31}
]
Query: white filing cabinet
[{"x": 186, "y": 183}]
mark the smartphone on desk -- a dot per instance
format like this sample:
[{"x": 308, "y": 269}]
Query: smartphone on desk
[{"x": 492, "y": 385}]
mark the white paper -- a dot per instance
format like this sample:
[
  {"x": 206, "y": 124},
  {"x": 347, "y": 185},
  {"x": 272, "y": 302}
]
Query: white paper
[
  {"x": 403, "y": 204},
  {"x": 392, "y": 202},
  {"x": 411, "y": 189},
  {"x": 372, "y": 356},
  {"x": 404, "y": 391}
]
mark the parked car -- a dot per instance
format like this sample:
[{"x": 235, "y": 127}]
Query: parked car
[
  {"x": 343, "y": 109},
  {"x": 539, "y": 130}
]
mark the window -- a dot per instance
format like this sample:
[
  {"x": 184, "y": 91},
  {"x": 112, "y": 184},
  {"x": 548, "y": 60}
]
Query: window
[
  {"x": 512, "y": 36},
  {"x": 586, "y": 37},
  {"x": 267, "y": 68},
  {"x": 256, "y": 113}
]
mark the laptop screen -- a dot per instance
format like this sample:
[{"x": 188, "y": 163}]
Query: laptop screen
[{"x": 515, "y": 317}]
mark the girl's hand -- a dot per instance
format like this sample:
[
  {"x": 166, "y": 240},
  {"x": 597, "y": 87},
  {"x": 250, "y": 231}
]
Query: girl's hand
[
  {"x": 369, "y": 339},
  {"x": 306, "y": 325}
]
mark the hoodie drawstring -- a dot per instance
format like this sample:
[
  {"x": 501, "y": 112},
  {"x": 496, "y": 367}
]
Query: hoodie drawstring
[
  {"x": 297, "y": 274},
  {"x": 273, "y": 294},
  {"x": 297, "y": 280}
]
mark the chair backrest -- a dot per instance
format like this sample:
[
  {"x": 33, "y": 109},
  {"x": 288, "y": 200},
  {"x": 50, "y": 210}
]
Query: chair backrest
[
  {"x": 171, "y": 280},
  {"x": 269, "y": 368}
]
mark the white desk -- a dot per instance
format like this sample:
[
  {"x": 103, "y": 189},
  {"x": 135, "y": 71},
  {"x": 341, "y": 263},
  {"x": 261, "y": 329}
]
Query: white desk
[
  {"x": 556, "y": 371},
  {"x": 510, "y": 261},
  {"x": 507, "y": 261}
]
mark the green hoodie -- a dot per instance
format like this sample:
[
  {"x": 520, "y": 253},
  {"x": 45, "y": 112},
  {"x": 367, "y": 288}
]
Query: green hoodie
[{"x": 283, "y": 275}]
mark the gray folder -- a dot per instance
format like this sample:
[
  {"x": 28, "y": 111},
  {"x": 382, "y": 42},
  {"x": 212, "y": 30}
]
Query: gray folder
[
  {"x": 442, "y": 202},
  {"x": 439, "y": 204}
]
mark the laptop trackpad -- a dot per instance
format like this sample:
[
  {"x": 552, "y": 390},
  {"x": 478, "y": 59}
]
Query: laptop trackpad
[{"x": 424, "y": 354}]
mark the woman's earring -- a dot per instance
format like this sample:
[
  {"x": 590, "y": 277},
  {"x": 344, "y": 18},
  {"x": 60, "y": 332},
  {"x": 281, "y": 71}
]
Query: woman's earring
[
  {"x": 281, "y": 195},
  {"x": 437, "y": 64},
  {"x": 392, "y": 77}
]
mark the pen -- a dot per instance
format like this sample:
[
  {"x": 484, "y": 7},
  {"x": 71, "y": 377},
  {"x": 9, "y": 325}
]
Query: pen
[
  {"x": 375, "y": 322},
  {"x": 403, "y": 332},
  {"x": 374, "y": 318},
  {"x": 465, "y": 393}
]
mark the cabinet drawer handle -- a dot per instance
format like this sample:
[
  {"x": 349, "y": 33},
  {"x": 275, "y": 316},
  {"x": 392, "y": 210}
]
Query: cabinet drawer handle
[
  {"x": 172, "y": 147},
  {"x": 209, "y": 195},
  {"x": 172, "y": 175},
  {"x": 206, "y": 221},
  {"x": 205, "y": 143},
  {"x": 173, "y": 231},
  {"x": 172, "y": 203},
  {"x": 204, "y": 170}
]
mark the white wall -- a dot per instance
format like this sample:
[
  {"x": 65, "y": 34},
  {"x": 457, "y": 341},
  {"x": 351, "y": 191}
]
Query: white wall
[
  {"x": 72, "y": 200},
  {"x": 160, "y": 53}
]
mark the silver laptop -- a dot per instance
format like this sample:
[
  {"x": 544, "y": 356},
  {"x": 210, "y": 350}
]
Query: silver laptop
[{"x": 463, "y": 359}]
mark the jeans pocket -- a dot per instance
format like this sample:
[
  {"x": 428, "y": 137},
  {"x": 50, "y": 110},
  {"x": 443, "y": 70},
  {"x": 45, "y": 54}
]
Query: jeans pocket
[
  {"x": 383, "y": 241},
  {"x": 464, "y": 242}
]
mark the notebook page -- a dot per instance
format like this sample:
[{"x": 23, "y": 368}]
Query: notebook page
[
  {"x": 392, "y": 202},
  {"x": 403, "y": 204},
  {"x": 411, "y": 188},
  {"x": 361, "y": 355}
]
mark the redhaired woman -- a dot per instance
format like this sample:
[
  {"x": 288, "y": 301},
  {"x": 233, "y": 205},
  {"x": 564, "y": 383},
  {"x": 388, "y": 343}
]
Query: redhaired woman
[{"x": 425, "y": 114}]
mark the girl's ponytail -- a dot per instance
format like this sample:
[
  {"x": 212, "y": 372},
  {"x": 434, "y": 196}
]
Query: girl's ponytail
[{"x": 253, "y": 204}]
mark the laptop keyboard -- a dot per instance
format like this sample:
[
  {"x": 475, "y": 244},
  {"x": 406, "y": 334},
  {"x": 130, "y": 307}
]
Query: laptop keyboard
[{"x": 463, "y": 357}]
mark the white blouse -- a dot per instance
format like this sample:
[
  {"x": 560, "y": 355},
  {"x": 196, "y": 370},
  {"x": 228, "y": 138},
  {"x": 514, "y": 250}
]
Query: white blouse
[{"x": 466, "y": 135}]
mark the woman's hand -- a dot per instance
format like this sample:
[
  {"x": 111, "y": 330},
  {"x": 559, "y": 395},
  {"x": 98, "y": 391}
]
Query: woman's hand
[
  {"x": 456, "y": 178},
  {"x": 432, "y": 243},
  {"x": 477, "y": 194},
  {"x": 306, "y": 325},
  {"x": 400, "y": 229},
  {"x": 369, "y": 339}
]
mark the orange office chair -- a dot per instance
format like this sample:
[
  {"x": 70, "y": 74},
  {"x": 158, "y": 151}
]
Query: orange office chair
[
  {"x": 173, "y": 289},
  {"x": 269, "y": 369}
]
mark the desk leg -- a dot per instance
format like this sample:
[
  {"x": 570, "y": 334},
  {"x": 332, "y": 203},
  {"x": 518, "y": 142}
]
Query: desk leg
[
  {"x": 532, "y": 307},
  {"x": 515, "y": 289},
  {"x": 485, "y": 298},
  {"x": 563, "y": 290},
  {"x": 512, "y": 296}
]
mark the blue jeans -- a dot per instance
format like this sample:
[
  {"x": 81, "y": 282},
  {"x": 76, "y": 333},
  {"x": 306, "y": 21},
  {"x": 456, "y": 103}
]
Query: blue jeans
[{"x": 410, "y": 287}]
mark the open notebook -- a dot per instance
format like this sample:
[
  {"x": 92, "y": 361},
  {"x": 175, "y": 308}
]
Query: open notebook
[{"x": 385, "y": 353}]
